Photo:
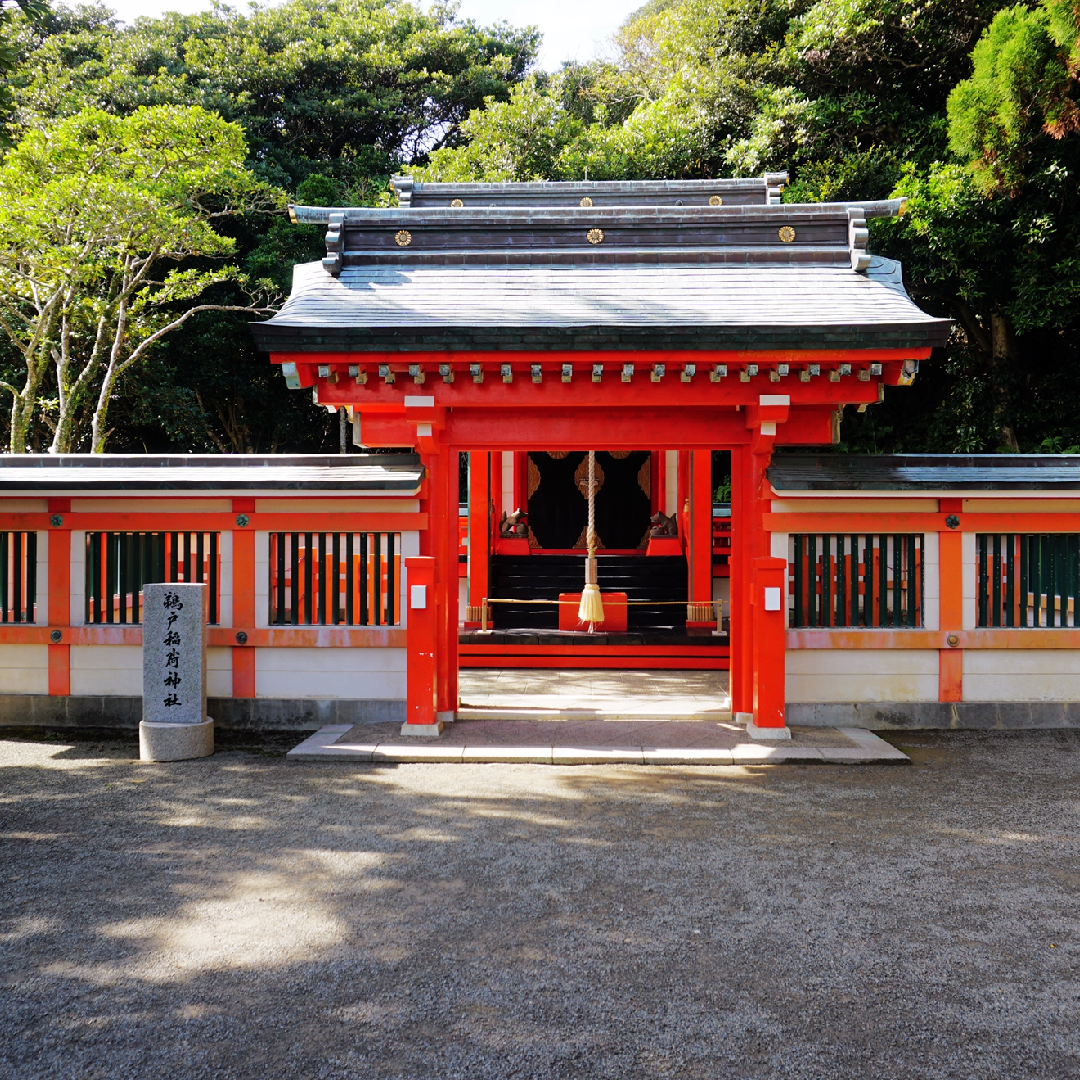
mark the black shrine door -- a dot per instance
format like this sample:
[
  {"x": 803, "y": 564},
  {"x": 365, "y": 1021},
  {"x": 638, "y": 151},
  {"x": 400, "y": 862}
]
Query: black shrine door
[{"x": 558, "y": 510}]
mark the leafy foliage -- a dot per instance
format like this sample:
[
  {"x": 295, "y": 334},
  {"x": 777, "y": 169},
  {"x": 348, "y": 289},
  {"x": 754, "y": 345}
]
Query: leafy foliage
[
  {"x": 92, "y": 211},
  {"x": 331, "y": 98}
]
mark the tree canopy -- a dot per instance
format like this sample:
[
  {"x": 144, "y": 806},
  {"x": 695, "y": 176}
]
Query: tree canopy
[
  {"x": 968, "y": 107},
  {"x": 330, "y": 99},
  {"x": 93, "y": 209}
]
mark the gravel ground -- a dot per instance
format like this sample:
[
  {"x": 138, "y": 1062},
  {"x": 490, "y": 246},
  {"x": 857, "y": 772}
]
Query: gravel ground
[{"x": 243, "y": 917}]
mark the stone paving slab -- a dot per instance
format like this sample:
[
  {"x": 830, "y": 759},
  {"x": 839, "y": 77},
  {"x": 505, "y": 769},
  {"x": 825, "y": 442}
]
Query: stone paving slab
[{"x": 595, "y": 742}]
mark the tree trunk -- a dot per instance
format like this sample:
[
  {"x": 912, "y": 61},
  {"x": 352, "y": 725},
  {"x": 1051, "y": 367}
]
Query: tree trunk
[{"x": 1002, "y": 347}]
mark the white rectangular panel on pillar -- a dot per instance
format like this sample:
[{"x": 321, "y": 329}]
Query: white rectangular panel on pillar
[
  {"x": 671, "y": 482},
  {"x": 508, "y": 481}
]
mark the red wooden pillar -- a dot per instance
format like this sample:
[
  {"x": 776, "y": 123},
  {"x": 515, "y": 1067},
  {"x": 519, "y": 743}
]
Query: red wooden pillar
[
  {"x": 479, "y": 532},
  {"x": 748, "y": 543},
  {"x": 421, "y": 638},
  {"x": 442, "y": 548},
  {"x": 59, "y": 603},
  {"x": 449, "y": 590},
  {"x": 495, "y": 492},
  {"x": 699, "y": 541},
  {"x": 243, "y": 602},
  {"x": 951, "y": 605},
  {"x": 769, "y": 585}
]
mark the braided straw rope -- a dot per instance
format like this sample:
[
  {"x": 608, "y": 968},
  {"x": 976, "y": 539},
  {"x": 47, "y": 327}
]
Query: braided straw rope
[{"x": 591, "y": 608}]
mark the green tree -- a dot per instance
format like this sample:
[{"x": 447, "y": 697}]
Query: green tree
[
  {"x": 93, "y": 210},
  {"x": 332, "y": 98}
]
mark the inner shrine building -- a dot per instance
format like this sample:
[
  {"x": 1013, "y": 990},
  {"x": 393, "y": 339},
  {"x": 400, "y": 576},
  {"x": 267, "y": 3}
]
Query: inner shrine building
[{"x": 681, "y": 330}]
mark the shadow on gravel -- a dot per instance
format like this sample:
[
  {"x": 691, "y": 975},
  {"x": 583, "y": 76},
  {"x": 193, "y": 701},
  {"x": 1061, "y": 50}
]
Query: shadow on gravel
[{"x": 242, "y": 917}]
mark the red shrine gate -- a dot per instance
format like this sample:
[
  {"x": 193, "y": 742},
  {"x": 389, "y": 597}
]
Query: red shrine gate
[{"x": 688, "y": 316}]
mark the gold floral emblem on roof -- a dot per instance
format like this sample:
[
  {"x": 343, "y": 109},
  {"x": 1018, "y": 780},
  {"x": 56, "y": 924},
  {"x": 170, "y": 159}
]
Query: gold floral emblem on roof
[
  {"x": 456, "y": 202},
  {"x": 786, "y": 233},
  {"x": 715, "y": 200},
  {"x": 586, "y": 201},
  {"x": 595, "y": 236},
  {"x": 403, "y": 237}
]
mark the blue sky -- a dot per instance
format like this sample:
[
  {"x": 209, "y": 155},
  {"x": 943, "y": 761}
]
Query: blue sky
[{"x": 572, "y": 30}]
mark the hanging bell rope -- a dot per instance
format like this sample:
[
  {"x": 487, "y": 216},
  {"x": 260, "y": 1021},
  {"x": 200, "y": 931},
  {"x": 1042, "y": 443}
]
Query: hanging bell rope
[{"x": 591, "y": 608}]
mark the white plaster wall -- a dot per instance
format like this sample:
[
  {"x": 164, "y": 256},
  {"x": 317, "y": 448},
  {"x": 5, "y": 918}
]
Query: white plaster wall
[
  {"x": 508, "y": 481},
  {"x": 845, "y": 505},
  {"x": 970, "y": 572},
  {"x": 671, "y": 481},
  {"x": 41, "y": 566},
  {"x": 117, "y": 670},
  {"x": 24, "y": 669},
  {"x": 330, "y": 673},
  {"x": 151, "y": 506},
  {"x": 779, "y": 550},
  {"x": 931, "y": 582},
  {"x": 262, "y": 579},
  {"x": 225, "y": 585},
  {"x": 23, "y": 506},
  {"x": 78, "y": 578},
  {"x": 355, "y": 505},
  {"x": 218, "y": 672},
  {"x": 106, "y": 669},
  {"x": 823, "y": 675},
  {"x": 1022, "y": 675}
]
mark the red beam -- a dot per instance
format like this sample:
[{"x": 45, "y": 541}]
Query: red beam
[{"x": 582, "y": 392}]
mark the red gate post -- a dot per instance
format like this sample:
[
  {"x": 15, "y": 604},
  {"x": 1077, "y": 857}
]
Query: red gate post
[
  {"x": 699, "y": 611},
  {"x": 420, "y": 636},
  {"x": 479, "y": 535},
  {"x": 770, "y": 632}
]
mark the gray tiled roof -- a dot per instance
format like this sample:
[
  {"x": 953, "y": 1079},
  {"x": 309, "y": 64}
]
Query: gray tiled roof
[
  {"x": 537, "y": 271},
  {"x": 636, "y": 306},
  {"x": 759, "y": 190},
  {"x": 58, "y": 473},
  {"x": 925, "y": 472}
]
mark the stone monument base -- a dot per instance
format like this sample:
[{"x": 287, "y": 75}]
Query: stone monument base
[{"x": 160, "y": 741}]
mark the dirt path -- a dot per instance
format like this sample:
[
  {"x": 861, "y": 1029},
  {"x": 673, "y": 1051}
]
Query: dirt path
[{"x": 241, "y": 917}]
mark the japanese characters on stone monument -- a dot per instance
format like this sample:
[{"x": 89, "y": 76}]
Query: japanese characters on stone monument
[{"x": 174, "y": 722}]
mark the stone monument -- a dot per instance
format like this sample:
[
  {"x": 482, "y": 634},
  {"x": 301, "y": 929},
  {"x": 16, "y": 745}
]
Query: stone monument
[{"x": 174, "y": 721}]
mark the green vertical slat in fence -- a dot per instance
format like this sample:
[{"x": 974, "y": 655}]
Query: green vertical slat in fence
[
  {"x": 320, "y": 579},
  {"x": 376, "y": 591},
  {"x": 111, "y": 566},
  {"x": 980, "y": 571},
  {"x": 350, "y": 580},
  {"x": 391, "y": 585},
  {"x": 279, "y": 562},
  {"x": 883, "y": 580},
  {"x": 309, "y": 606},
  {"x": 914, "y": 592},
  {"x": 853, "y": 583},
  {"x": 868, "y": 581},
  {"x": 797, "y": 559},
  {"x": 841, "y": 595},
  {"x": 4, "y": 545},
  {"x": 17, "y": 577},
  {"x": 1023, "y": 542},
  {"x": 213, "y": 577},
  {"x": 294, "y": 570},
  {"x": 995, "y": 580},
  {"x": 1051, "y": 580},
  {"x": 31, "y": 576},
  {"x": 335, "y": 579},
  {"x": 1010, "y": 580},
  {"x": 363, "y": 579},
  {"x": 812, "y": 580}
]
